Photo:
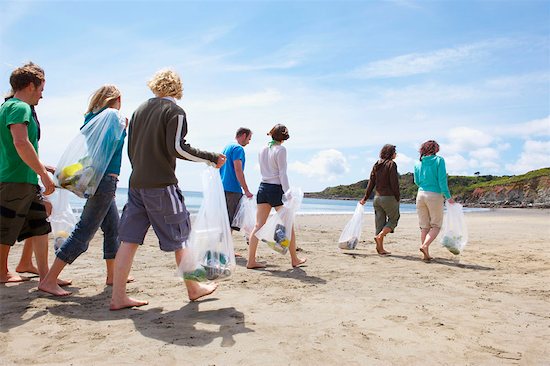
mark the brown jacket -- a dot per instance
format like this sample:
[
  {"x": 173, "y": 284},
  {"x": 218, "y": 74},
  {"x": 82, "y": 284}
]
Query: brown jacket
[{"x": 385, "y": 178}]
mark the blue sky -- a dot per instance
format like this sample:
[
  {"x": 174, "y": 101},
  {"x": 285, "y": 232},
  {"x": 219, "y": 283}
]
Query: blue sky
[{"x": 345, "y": 77}]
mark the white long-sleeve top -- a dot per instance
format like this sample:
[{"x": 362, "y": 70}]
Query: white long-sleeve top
[{"x": 273, "y": 165}]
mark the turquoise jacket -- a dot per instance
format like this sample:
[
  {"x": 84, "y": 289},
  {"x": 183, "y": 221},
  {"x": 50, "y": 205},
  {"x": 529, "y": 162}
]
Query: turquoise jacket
[{"x": 430, "y": 175}]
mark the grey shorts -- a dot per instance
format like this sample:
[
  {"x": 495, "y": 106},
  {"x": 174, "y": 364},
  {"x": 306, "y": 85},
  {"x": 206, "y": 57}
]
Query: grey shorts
[
  {"x": 162, "y": 208},
  {"x": 232, "y": 199},
  {"x": 386, "y": 212}
]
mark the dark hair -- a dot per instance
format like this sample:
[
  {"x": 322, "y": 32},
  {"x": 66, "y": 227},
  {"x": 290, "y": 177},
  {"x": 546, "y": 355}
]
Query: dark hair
[
  {"x": 243, "y": 131},
  {"x": 279, "y": 132},
  {"x": 428, "y": 148},
  {"x": 387, "y": 151},
  {"x": 22, "y": 76}
]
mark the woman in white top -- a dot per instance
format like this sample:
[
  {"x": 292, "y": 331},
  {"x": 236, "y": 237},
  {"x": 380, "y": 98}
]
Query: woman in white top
[{"x": 274, "y": 185}]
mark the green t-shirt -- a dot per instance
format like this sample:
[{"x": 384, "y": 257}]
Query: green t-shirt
[{"x": 12, "y": 168}]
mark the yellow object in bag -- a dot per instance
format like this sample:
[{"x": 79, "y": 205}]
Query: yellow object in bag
[{"x": 71, "y": 170}]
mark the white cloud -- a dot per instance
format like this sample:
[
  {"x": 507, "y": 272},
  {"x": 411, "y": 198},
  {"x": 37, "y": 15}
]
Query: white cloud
[
  {"x": 404, "y": 163},
  {"x": 535, "y": 155},
  {"x": 326, "y": 165},
  {"x": 417, "y": 63},
  {"x": 537, "y": 127},
  {"x": 466, "y": 139}
]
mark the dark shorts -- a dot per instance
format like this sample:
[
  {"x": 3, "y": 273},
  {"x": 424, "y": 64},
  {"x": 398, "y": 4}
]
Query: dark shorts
[
  {"x": 22, "y": 212},
  {"x": 232, "y": 200},
  {"x": 162, "y": 208},
  {"x": 270, "y": 193}
]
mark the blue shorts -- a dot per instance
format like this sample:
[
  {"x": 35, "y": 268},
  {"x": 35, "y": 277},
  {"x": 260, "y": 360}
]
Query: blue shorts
[
  {"x": 270, "y": 193},
  {"x": 162, "y": 208}
]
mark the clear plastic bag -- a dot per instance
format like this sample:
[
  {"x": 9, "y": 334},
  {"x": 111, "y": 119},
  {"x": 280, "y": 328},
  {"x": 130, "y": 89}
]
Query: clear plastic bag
[
  {"x": 85, "y": 160},
  {"x": 352, "y": 231},
  {"x": 210, "y": 254},
  {"x": 245, "y": 218},
  {"x": 277, "y": 230},
  {"x": 454, "y": 233},
  {"x": 62, "y": 218}
]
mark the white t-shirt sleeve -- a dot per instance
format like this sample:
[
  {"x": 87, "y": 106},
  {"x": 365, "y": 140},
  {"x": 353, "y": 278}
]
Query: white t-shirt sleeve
[{"x": 281, "y": 163}]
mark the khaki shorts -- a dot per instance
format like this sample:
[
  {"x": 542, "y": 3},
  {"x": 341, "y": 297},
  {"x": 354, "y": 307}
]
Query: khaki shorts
[
  {"x": 429, "y": 206},
  {"x": 22, "y": 212}
]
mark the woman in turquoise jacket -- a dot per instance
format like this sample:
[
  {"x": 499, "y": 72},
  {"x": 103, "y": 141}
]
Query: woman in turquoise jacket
[{"x": 430, "y": 175}]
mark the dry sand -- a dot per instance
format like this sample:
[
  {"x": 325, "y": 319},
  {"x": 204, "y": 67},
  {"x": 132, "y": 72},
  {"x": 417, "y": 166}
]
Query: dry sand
[{"x": 488, "y": 306}]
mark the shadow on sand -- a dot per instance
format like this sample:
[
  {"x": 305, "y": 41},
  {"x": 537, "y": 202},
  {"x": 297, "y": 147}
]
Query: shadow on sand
[
  {"x": 441, "y": 261},
  {"x": 174, "y": 327}
]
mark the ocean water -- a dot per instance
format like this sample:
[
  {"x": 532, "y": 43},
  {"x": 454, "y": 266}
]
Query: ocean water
[{"x": 309, "y": 206}]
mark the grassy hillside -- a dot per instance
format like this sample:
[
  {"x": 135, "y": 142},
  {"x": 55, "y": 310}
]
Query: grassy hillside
[{"x": 459, "y": 185}]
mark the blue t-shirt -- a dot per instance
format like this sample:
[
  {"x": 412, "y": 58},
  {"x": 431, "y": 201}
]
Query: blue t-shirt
[
  {"x": 116, "y": 160},
  {"x": 232, "y": 152}
]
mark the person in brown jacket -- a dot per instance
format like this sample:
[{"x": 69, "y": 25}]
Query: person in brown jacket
[{"x": 385, "y": 183}]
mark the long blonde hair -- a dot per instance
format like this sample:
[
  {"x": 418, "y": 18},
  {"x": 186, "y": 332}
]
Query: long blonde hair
[{"x": 103, "y": 97}]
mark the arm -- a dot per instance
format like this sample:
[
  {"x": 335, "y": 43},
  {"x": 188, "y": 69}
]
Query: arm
[
  {"x": 28, "y": 155},
  {"x": 370, "y": 186},
  {"x": 177, "y": 146},
  {"x": 394, "y": 181},
  {"x": 238, "y": 165},
  {"x": 442, "y": 179},
  {"x": 281, "y": 163}
]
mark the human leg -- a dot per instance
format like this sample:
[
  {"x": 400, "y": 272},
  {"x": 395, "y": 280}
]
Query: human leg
[
  {"x": 123, "y": 263},
  {"x": 195, "y": 290},
  {"x": 261, "y": 217},
  {"x": 25, "y": 262},
  {"x": 294, "y": 259},
  {"x": 434, "y": 204},
  {"x": 5, "y": 275}
]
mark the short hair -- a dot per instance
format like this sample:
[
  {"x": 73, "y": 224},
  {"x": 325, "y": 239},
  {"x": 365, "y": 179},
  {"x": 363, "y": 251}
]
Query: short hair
[
  {"x": 29, "y": 73},
  {"x": 387, "y": 151},
  {"x": 166, "y": 83},
  {"x": 430, "y": 147},
  {"x": 279, "y": 132},
  {"x": 103, "y": 97},
  {"x": 243, "y": 131}
]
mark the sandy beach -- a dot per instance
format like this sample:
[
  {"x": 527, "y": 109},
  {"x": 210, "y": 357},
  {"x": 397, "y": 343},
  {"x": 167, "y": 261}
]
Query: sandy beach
[{"x": 488, "y": 306}]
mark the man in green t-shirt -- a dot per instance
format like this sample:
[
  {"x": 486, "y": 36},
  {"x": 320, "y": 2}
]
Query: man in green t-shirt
[{"x": 22, "y": 211}]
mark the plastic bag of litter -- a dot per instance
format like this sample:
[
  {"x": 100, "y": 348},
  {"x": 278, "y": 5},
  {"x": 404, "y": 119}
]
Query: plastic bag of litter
[
  {"x": 245, "y": 218},
  {"x": 209, "y": 254},
  {"x": 87, "y": 156},
  {"x": 454, "y": 233},
  {"x": 277, "y": 230},
  {"x": 62, "y": 218},
  {"x": 352, "y": 231}
]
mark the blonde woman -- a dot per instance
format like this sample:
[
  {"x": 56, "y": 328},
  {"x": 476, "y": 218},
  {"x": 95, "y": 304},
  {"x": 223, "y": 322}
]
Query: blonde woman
[
  {"x": 274, "y": 185},
  {"x": 100, "y": 209}
]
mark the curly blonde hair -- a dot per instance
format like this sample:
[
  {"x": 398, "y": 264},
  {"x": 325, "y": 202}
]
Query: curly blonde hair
[{"x": 166, "y": 83}]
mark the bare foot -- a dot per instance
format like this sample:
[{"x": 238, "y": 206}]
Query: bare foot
[
  {"x": 255, "y": 265},
  {"x": 27, "y": 269},
  {"x": 126, "y": 303},
  {"x": 379, "y": 246},
  {"x": 299, "y": 263},
  {"x": 238, "y": 255},
  {"x": 53, "y": 289},
  {"x": 109, "y": 282},
  {"x": 426, "y": 255},
  {"x": 201, "y": 290},
  {"x": 61, "y": 282},
  {"x": 12, "y": 277}
]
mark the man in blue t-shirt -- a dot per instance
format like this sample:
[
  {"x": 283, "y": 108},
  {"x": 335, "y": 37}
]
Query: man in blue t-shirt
[{"x": 232, "y": 172}]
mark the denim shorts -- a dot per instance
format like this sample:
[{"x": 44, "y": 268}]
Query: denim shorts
[
  {"x": 270, "y": 193},
  {"x": 164, "y": 209}
]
